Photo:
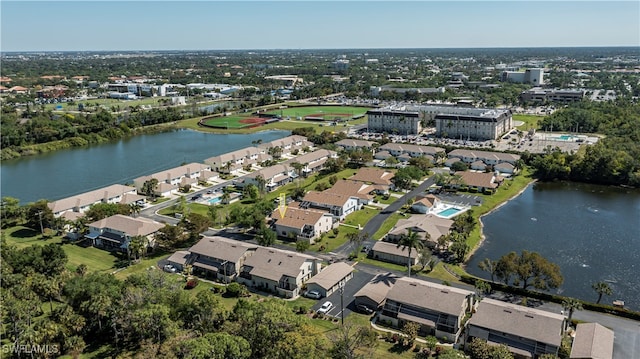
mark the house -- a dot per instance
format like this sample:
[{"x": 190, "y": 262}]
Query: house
[
  {"x": 298, "y": 223},
  {"x": 424, "y": 204},
  {"x": 287, "y": 144},
  {"x": 233, "y": 161},
  {"x": 450, "y": 161},
  {"x": 18, "y": 90},
  {"x": 312, "y": 161},
  {"x": 349, "y": 145},
  {"x": 220, "y": 258},
  {"x": 374, "y": 293},
  {"x": 364, "y": 192},
  {"x": 382, "y": 155},
  {"x": 80, "y": 203},
  {"x": 330, "y": 279},
  {"x": 278, "y": 271},
  {"x": 176, "y": 177},
  {"x": 478, "y": 166},
  {"x": 425, "y": 226},
  {"x": 527, "y": 332},
  {"x": 271, "y": 177},
  {"x": 478, "y": 181},
  {"x": 179, "y": 260},
  {"x": 489, "y": 158},
  {"x": 592, "y": 341},
  {"x": 505, "y": 167},
  {"x": 115, "y": 232},
  {"x": 438, "y": 309},
  {"x": 375, "y": 176},
  {"x": 390, "y": 252},
  {"x": 397, "y": 149},
  {"x": 339, "y": 205}
]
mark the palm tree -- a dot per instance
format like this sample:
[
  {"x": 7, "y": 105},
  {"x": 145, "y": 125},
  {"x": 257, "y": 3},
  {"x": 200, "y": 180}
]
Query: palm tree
[
  {"x": 136, "y": 246},
  {"x": 261, "y": 183},
  {"x": 225, "y": 197},
  {"x": 227, "y": 167},
  {"x": 601, "y": 288},
  {"x": 410, "y": 241},
  {"x": 570, "y": 305},
  {"x": 135, "y": 208},
  {"x": 149, "y": 187}
]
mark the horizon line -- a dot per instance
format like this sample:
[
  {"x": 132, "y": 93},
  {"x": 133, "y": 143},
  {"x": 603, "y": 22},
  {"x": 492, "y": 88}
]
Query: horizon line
[{"x": 327, "y": 48}]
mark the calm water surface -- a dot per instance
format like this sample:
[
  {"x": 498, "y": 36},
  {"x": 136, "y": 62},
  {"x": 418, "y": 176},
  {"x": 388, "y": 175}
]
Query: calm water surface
[
  {"x": 68, "y": 172},
  {"x": 591, "y": 232}
]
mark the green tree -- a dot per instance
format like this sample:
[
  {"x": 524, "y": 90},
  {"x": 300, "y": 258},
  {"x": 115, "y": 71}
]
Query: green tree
[
  {"x": 215, "y": 346},
  {"x": 251, "y": 191},
  {"x": 601, "y": 288},
  {"x": 409, "y": 241},
  {"x": 349, "y": 341},
  {"x": 135, "y": 209},
  {"x": 529, "y": 269},
  {"x": 38, "y": 216},
  {"x": 410, "y": 330},
  {"x": 11, "y": 212},
  {"x": 266, "y": 237},
  {"x": 137, "y": 247},
  {"x": 426, "y": 258},
  {"x": 149, "y": 188},
  {"x": 489, "y": 266},
  {"x": 302, "y": 245}
]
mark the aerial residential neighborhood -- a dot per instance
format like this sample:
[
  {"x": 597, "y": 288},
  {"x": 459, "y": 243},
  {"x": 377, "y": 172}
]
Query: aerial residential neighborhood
[{"x": 331, "y": 180}]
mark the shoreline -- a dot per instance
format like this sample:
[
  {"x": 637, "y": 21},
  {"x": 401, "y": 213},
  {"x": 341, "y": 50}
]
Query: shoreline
[{"x": 482, "y": 236}]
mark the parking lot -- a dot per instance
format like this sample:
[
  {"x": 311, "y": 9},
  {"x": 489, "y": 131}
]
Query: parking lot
[{"x": 358, "y": 281}]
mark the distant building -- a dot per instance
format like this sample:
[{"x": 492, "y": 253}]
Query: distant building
[
  {"x": 477, "y": 124},
  {"x": 394, "y": 121},
  {"x": 530, "y": 76},
  {"x": 540, "y": 95},
  {"x": 341, "y": 64}
]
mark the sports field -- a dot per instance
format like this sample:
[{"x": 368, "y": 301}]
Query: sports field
[
  {"x": 313, "y": 113},
  {"x": 327, "y": 113}
]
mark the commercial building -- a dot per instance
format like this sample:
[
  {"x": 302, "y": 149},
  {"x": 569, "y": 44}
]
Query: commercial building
[
  {"x": 529, "y": 76},
  {"x": 394, "y": 121},
  {"x": 476, "y": 124}
]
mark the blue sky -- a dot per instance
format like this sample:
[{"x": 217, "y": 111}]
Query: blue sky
[{"x": 215, "y": 25}]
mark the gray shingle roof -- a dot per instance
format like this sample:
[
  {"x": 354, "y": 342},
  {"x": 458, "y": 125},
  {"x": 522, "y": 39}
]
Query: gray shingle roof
[
  {"x": 517, "y": 320},
  {"x": 432, "y": 296},
  {"x": 331, "y": 275},
  {"x": 592, "y": 341},
  {"x": 222, "y": 248}
]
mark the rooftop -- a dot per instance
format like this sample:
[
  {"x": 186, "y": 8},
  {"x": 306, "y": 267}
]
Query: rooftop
[
  {"x": 428, "y": 295},
  {"x": 331, "y": 275},
  {"x": 222, "y": 248},
  {"x": 129, "y": 225}
]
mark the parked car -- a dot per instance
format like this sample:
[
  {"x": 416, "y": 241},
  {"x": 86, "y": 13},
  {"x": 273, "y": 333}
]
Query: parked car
[
  {"x": 366, "y": 248},
  {"x": 169, "y": 268},
  {"x": 364, "y": 309},
  {"x": 314, "y": 294},
  {"x": 326, "y": 307}
]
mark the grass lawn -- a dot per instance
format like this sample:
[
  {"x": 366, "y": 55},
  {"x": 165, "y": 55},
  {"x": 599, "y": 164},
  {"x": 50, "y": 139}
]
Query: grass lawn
[
  {"x": 382, "y": 200},
  {"x": 439, "y": 272},
  {"x": 530, "y": 121},
  {"x": 295, "y": 112},
  {"x": 387, "y": 225},
  {"x": 96, "y": 260}
]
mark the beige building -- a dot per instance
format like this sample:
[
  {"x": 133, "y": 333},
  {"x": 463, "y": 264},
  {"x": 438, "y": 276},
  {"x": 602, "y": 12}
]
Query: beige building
[
  {"x": 330, "y": 279},
  {"x": 527, "y": 332},
  {"x": 438, "y": 309},
  {"x": 592, "y": 341},
  {"x": 485, "y": 125},
  {"x": 390, "y": 252},
  {"x": 115, "y": 232},
  {"x": 394, "y": 121},
  {"x": 82, "y": 202},
  {"x": 488, "y": 157},
  {"x": 425, "y": 225},
  {"x": 219, "y": 258},
  {"x": 278, "y": 271},
  {"x": 179, "y": 176},
  {"x": 305, "y": 224},
  {"x": 374, "y": 293}
]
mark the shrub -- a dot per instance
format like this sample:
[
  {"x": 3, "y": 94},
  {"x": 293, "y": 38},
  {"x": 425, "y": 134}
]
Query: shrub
[
  {"x": 191, "y": 283},
  {"x": 235, "y": 289}
]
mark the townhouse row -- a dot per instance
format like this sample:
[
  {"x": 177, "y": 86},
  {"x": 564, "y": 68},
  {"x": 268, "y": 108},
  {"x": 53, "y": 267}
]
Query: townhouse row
[{"x": 448, "y": 312}]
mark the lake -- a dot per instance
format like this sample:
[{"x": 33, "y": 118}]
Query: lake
[
  {"x": 65, "y": 173},
  {"x": 592, "y": 232}
]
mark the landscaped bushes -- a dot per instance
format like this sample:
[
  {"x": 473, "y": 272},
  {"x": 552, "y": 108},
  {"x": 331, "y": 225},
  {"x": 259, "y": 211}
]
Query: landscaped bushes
[{"x": 191, "y": 283}]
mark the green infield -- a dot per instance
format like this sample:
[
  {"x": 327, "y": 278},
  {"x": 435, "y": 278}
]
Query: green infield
[
  {"x": 321, "y": 113},
  {"x": 235, "y": 121}
]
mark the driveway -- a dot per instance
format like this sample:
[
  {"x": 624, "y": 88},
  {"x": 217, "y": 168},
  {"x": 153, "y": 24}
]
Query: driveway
[{"x": 358, "y": 281}]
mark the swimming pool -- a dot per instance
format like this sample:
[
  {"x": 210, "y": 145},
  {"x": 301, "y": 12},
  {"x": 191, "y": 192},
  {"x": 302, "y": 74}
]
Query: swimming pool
[
  {"x": 449, "y": 212},
  {"x": 215, "y": 200}
]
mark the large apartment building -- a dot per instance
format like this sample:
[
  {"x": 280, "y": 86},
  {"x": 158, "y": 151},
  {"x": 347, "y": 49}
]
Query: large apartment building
[
  {"x": 399, "y": 122},
  {"x": 474, "y": 124}
]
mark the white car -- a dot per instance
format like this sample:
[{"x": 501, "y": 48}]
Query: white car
[
  {"x": 169, "y": 268},
  {"x": 326, "y": 307}
]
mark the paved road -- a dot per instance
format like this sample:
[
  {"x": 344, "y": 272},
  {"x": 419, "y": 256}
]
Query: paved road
[
  {"x": 360, "y": 278},
  {"x": 374, "y": 224}
]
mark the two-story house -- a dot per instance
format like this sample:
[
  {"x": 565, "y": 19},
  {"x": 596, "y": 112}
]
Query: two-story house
[
  {"x": 478, "y": 181},
  {"x": 115, "y": 233},
  {"x": 527, "y": 332},
  {"x": 428, "y": 227},
  {"x": 488, "y": 157},
  {"x": 287, "y": 144},
  {"x": 278, "y": 271},
  {"x": 339, "y": 205},
  {"x": 219, "y": 258},
  {"x": 271, "y": 177},
  {"x": 171, "y": 179},
  {"x": 312, "y": 161},
  {"x": 380, "y": 178},
  {"x": 80, "y": 203},
  {"x": 435, "y": 154},
  {"x": 298, "y": 223},
  {"x": 350, "y": 145},
  {"x": 235, "y": 160},
  {"x": 438, "y": 309}
]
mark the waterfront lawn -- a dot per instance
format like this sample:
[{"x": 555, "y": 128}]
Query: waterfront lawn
[{"x": 439, "y": 272}]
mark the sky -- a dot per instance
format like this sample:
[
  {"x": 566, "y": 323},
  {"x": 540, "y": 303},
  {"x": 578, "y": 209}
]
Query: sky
[{"x": 221, "y": 25}]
